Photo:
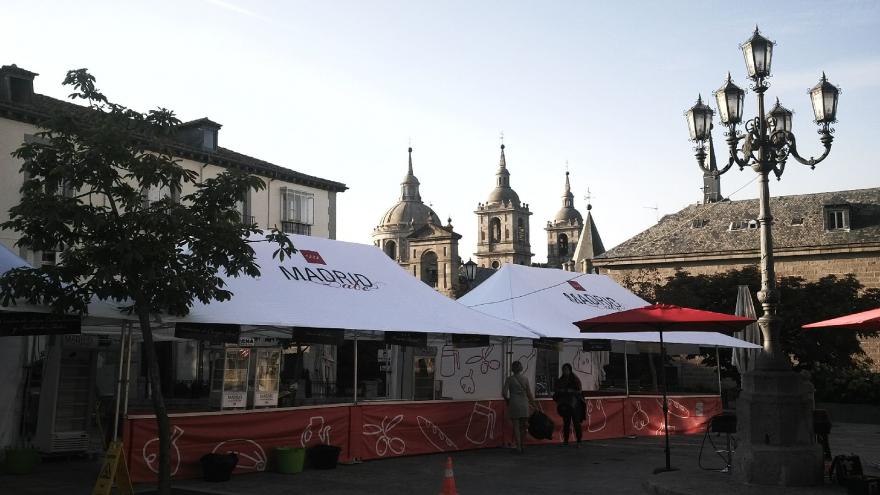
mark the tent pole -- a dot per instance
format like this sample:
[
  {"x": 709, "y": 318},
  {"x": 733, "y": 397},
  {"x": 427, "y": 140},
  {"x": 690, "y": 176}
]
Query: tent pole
[
  {"x": 718, "y": 367},
  {"x": 127, "y": 381},
  {"x": 625, "y": 368},
  {"x": 355, "y": 387},
  {"x": 122, "y": 340}
]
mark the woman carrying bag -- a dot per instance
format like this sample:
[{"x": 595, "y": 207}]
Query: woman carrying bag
[
  {"x": 570, "y": 403},
  {"x": 519, "y": 398}
]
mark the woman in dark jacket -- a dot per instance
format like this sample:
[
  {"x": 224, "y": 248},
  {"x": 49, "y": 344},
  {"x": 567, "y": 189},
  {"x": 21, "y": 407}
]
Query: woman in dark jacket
[{"x": 570, "y": 403}]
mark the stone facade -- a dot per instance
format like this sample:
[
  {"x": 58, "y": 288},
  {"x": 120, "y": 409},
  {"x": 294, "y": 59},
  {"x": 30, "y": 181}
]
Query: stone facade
[
  {"x": 503, "y": 225},
  {"x": 814, "y": 235},
  {"x": 412, "y": 234}
]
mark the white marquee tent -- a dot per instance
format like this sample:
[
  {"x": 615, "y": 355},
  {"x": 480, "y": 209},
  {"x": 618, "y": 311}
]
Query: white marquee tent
[{"x": 549, "y": 301}]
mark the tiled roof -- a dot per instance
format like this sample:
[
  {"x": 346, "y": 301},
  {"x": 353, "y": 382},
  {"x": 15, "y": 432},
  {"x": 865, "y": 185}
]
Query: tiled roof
[
  {"x": 799, "y": 222},
  {"x": 40, "y": 106}
]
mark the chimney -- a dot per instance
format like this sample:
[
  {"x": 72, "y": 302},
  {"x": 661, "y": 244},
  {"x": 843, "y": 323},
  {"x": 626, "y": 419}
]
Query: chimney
[
  {"x": 16, "y": 84},
  {"x": 200, "y": 133}
]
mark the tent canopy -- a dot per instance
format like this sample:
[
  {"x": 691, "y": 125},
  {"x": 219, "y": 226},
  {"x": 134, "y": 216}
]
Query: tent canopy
[
  {"x": 332, "y": 284},
  {"x": 548, "y": 301}
]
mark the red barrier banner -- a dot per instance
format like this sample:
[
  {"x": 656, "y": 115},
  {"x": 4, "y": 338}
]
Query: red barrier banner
[
  {"x": 604, "y": 419},
  {"x": 252, "y": 435},
  {"x": 391, "y": 430},
  {"x": 643, "y": 415}
]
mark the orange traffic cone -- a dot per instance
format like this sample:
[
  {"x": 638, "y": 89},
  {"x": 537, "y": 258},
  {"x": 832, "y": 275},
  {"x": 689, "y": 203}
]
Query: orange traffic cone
[{"x": 449, "y": 480}]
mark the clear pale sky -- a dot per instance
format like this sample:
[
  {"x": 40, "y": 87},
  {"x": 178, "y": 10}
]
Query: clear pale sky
[{"x": 337, "y": 88}]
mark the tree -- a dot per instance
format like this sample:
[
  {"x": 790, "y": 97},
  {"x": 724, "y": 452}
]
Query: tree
[{"x": 149, "y": 257}]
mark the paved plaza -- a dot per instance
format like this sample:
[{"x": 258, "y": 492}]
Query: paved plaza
[{"x": 610, "y": 467}]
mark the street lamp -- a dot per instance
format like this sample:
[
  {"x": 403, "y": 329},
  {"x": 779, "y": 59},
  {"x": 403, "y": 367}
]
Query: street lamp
[
  {"x": 470, "y": 270},
  {"x": 775, "y": 407}
]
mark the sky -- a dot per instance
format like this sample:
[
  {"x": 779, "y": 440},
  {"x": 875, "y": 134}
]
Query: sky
[{"x": 339, "y": 89}]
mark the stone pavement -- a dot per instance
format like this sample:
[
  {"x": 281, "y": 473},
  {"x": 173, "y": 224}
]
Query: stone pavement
[{"x": 620, "y": 466}]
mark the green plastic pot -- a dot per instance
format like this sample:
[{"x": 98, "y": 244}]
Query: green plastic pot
[
  {"x": 290, "y": 460},
  {"x": 21, "y": 461}
]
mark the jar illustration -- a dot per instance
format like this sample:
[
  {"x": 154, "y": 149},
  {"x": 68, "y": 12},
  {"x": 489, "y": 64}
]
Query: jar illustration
[
  {"x": 150, "y": 452},
  {"x": 481, "y": 425}
]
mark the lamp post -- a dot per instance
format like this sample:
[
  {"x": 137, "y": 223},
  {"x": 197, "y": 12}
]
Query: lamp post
[{"x": 775, "y": 408}]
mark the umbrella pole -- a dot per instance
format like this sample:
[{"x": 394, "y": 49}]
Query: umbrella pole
[{"x": 625, "y": 369}]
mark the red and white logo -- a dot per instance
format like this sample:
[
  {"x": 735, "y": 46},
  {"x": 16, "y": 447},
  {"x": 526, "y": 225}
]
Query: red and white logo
[
  {"x": 576, "y": 285},
  {"x": 314, "y": 257}
]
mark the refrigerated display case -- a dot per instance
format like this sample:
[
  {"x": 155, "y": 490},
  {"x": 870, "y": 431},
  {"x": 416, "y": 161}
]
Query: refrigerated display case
[
  {"x": 229, "y": 377},
  {"x": 267, "y": 377}
]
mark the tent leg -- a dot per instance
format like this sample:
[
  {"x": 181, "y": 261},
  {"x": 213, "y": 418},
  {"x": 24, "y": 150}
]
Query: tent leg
[
  {"x": 625, "y": 368},
  {"x": 126, "y": 383},
  {"x": 718, "y": 367},
  {"x": 122, "y": 341},
  {"x": 355, "y": 383}
]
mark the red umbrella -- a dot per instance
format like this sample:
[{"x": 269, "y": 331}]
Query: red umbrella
[
  {"x": 865, "y": 321},
  {"x": 664, "y": 318}
]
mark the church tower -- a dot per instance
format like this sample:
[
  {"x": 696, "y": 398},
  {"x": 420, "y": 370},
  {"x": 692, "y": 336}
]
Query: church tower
[
  {"x": 563, "y": 231},
  {"x": 503, "y": 224},
  {"x": 411, "y": 234}
]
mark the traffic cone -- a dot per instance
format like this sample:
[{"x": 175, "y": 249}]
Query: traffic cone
[{"x": 449, "y": 480}]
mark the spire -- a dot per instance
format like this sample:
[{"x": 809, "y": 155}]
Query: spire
[
  {"x": 502, "y": 163},
  {"x": 568, "y": 197},
  {"x": 409, "y": 188}
]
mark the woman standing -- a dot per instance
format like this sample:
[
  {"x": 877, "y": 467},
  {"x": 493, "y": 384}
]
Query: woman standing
[
  {"x": 519, "y": 397},
  {"x": 570, "y": 403}
]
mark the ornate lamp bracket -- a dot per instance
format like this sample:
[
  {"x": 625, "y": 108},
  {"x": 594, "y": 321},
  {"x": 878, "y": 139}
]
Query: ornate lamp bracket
[{"x": 826, "y": 141}]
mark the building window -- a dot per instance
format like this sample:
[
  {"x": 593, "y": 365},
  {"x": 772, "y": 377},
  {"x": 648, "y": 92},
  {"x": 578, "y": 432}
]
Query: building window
[
  {"x": 521, "y": 230},
  {"x": 495, "y": 230},
  {"x": 743, "y": 224},
  {"x": 297, "y": 211},
  {"x": 391, "y": 249},
  {"x": 699, "y": 223},
  {"x": 243, "y": 207},
  {"x": 562, "y": 245},
  {"x": 797, "y": 221},
  {"x": 837, "y": 219},
  {"x": 153, "y": 194},
  {"x": 495, "y": 265},
  {"x": 429, "y": 268}
]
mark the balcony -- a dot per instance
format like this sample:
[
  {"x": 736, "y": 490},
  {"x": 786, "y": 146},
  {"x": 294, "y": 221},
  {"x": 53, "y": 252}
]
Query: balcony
[{"x": 296, "y": 228}]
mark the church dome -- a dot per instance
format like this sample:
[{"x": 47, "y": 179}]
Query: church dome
[
  {"x": 409, "y": 210},
  {"x": 406, "y": 212},
  {"x": 568, "y": 213},
  {"x": 503, "y": 193}
]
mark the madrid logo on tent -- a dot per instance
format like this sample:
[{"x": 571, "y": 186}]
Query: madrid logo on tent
[{"x": 328, "y": 276}]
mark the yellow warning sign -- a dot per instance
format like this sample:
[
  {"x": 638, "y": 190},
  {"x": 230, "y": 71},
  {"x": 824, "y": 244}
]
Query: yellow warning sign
[{"x": 113, "y": 471}]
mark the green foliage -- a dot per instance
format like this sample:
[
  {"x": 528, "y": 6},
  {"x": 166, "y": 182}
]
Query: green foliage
[
  {"x": 854, "y": 386},
  {"x": 86, "y": 178}
]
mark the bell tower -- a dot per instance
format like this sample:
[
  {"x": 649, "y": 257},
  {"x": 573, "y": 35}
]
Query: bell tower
[{"x": 503, "y": 224}]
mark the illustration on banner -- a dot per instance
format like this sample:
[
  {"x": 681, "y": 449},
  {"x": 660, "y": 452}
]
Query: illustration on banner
[
  {"x": 676, "y": 408},
  {"x": 384, "y": 440},
  {"x": 596, "y": 417},
  {"x": 485, "y": 360},
  {"x": 526, "y": 359},
  {"x": 449, "y": 361},
  {"x": 481, "y": 425},
  {"x": 151, "y": 452},
  {"x": 435, "y": 435},
  {"x": 467, "y": 383},
  {"x": 316, "y": 426},
  {"x": 583, "y": 362},
  {"x": 251, "y": 456},
  {"x": 640, "y": 418}
]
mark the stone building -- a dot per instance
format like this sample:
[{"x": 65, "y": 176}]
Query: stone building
[
  {"x": 413, "y": 235},
  {"x": 829, "y": 233},
  {"x": 503, "y": 224},
  {"x": 589, "y": 246},
  {"x": 563, "y": 231}
]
